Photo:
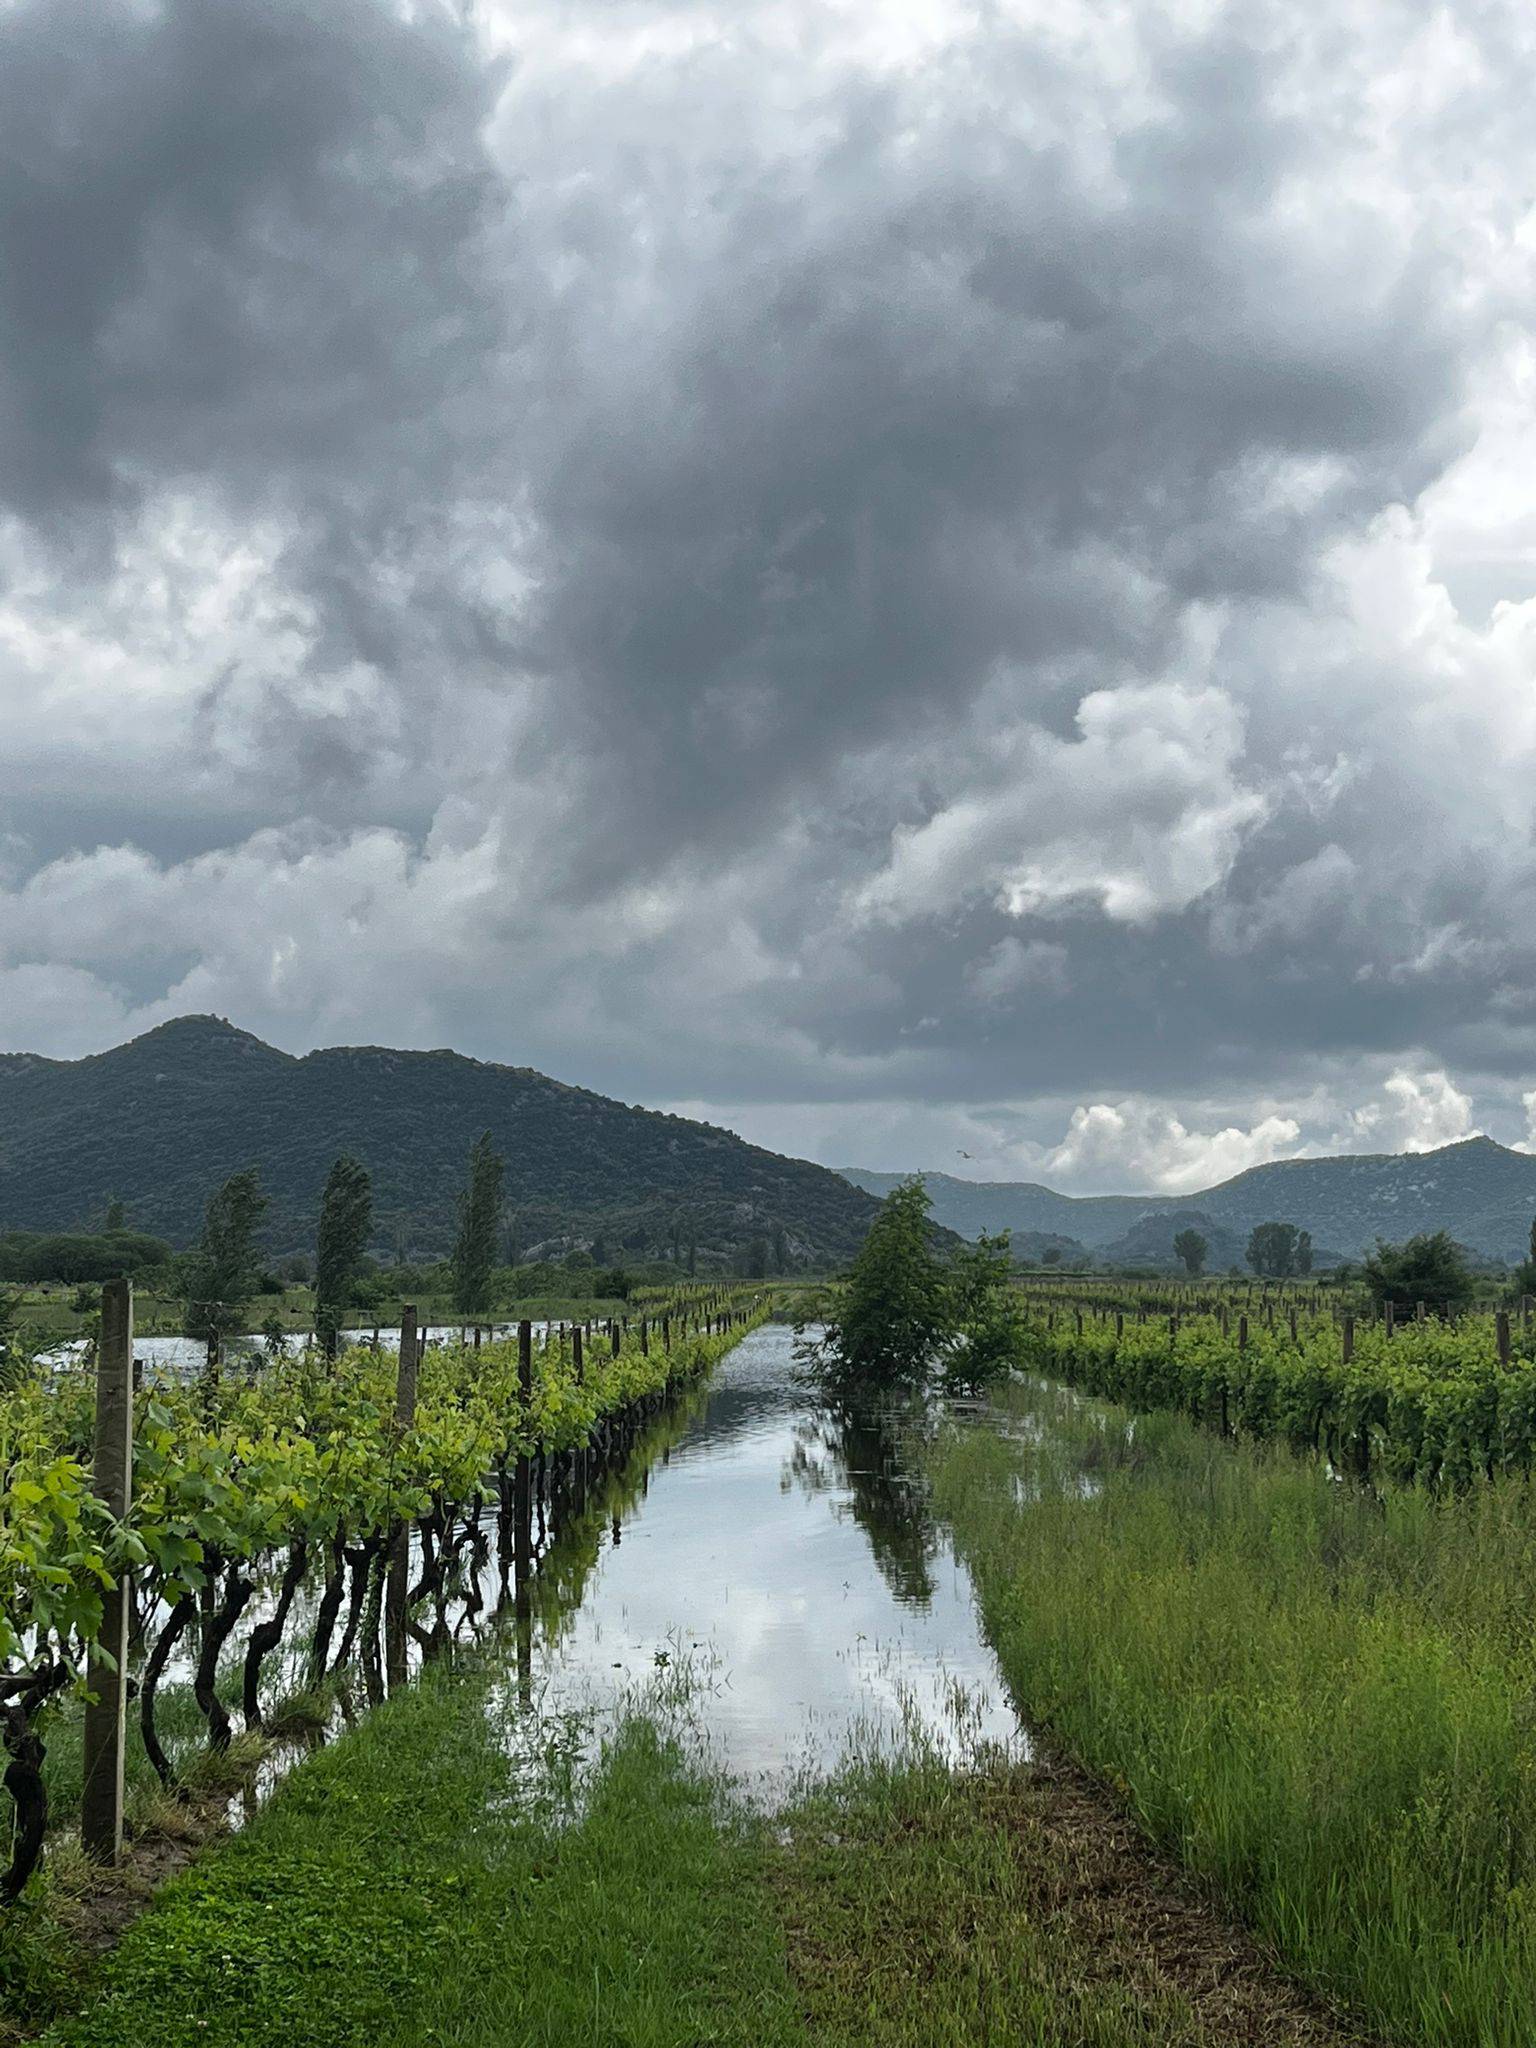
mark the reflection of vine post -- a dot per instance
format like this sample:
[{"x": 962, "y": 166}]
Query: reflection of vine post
[
  {"x": 400, "y": 1534},
  {"x": 106, "y": 1714},
  {"x": 522, "y": 1519}
]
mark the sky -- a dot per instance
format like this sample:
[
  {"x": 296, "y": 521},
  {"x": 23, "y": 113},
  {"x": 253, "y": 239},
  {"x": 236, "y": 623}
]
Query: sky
[{"x": 949, "y": 586}]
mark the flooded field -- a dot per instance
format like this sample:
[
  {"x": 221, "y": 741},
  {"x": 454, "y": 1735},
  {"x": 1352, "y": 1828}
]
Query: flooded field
[{"x": 786, "y": 1562}]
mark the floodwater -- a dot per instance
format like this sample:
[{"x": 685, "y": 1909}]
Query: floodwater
[
  {"x": 783, "y": 1563},
  {"x": 765, "y": 1571},
  {"x": 184, "y": 1357}
]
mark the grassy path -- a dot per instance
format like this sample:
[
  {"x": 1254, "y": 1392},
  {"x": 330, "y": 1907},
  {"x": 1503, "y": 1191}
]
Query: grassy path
[{"x": 415, "y": 1884}]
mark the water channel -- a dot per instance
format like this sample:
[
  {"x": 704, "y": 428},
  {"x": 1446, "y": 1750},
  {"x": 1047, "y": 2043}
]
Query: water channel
[
  {"x": 754, "y": 1564},
  {"x": 787, "y": 1561}
]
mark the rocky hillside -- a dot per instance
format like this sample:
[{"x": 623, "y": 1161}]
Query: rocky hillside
[
  {"x": 1481, "y": 1192},
  {"x": 160, "y": 1122}
]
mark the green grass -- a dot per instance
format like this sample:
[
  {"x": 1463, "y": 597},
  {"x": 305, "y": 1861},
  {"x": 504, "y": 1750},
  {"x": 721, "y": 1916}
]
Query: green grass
[
  {"x": 929, "y": 1909},
  {"x": 431, "y": 1879},
  {"x": 1325, "y": 1703},
  {"x": 413, "y": 1884}
]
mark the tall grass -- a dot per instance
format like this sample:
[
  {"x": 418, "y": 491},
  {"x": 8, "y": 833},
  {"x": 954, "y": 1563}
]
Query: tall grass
[{"x": 1323, "y": 1701}]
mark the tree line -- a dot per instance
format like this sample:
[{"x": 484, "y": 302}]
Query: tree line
[{"x": 224, "y": 1273}]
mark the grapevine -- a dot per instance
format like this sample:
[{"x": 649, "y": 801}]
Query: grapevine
[{"x": 301, "y": 1461}]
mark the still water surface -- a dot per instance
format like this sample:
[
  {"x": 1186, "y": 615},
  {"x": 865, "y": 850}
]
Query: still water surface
[{"x": 786, "y": 1562}]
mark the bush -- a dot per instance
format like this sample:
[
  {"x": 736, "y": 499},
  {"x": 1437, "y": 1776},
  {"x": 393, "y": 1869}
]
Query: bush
[
  {"x": 1431, "y": 1268},
  {"x": 78, "y": 1256},
  {"x": 895, "y": 1309}
]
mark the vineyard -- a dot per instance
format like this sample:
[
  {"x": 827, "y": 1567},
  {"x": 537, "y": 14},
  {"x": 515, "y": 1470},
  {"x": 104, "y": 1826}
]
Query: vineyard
[
  {"x": 1421, "y": 1401},
  {"x": 362, "y": 1493}
]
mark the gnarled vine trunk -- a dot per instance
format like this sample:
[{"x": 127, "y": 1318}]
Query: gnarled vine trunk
[
  {"x": 177, "y": 1623},
  {"x": 24, "y": 1774},
  {"x": 359, "y": 1559},
  {"x": 268, "y": 1634},
  {"x": 216, "y": 1632},
  {"x": 329, "y": 1608}
]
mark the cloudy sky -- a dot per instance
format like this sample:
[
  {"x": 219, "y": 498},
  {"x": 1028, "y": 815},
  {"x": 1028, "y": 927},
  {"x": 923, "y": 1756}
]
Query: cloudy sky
[{"x": 927, "y": 581}]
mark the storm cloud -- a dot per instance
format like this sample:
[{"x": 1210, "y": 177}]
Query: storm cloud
[{"x": 962, "y": 584}]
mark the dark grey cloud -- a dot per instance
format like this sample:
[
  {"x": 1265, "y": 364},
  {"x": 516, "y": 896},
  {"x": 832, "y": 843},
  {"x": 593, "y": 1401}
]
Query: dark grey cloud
[
  {"x": 984, "y": 412},
  {"x": 237, "y": 248},
  {"x": 774, "y": 569}
]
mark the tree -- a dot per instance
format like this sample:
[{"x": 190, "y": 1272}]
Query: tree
[
  {"x": 223, "y": 1273},
  {"x": 1191, "y": 1248},
  {"x": 754, "y": 1259},
  {"x": 346, "y": 1218},
  {"x": 1430, "y": 1268},
  {"x": 117, "y": 1216},
  {"x": 1274, "y": 1248},
  {"x": 14, "y": 1361},
  {"x": 1303, "y": 1251},
  {"x": 986, "y": 1338},
  {"x": 474, "y": 1251},
  {"x": 81, "y": 1255},
  {"x": 1051, "y": 1256},
  {"x": 780, "y": 1249},
  {"x": 1523, "y": 1279},
  {"x": 894, "y": 1310}
]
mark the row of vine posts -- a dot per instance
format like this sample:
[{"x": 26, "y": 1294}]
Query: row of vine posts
[{"x": 1266, "y": 1307}]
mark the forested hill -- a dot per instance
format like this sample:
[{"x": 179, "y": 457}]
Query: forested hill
[
  {"x": 1481, "y": 1192},
  {"x": 160, "y": 1122}
]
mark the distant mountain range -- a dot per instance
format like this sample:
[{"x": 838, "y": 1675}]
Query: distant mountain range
[
  {"x": 159, "y": 1123},
  {"x": 1481, "y": 1192}
]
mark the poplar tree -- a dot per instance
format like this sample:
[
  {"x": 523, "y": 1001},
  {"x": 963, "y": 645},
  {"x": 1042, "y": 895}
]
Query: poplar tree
[
  {"x": 474, "y": 1251},
  {"x": 346, "y": 1218},
  {"x": 222, "y": 1275}
]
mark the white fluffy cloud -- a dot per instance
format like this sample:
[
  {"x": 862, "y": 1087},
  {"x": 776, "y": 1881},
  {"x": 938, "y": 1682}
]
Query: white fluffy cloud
[
  {"x": 1141, "y": 1145},
  {"x": 1417, "y": 1112},
  {"x": 1140, "y": 815}
]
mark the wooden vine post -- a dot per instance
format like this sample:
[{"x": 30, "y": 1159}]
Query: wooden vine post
[
  {"x": 106, "y": 1712},
  {"x": 522, "y": 1527},
  {"x": 397, "y": 1591}
]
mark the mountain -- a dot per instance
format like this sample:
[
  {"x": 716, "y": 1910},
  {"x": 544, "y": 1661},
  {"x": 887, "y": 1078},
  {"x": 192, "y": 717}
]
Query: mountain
[
  {"x": 1481, "y": 1192},
  {"x": 972, "y": 1206},
  {"x": 162, "y": 1121}
]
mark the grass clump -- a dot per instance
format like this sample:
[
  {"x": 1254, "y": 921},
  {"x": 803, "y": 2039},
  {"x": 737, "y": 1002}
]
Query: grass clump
[
  {"x": 927, "y": 1909},
  {"x": 1321, "y": 1700}
]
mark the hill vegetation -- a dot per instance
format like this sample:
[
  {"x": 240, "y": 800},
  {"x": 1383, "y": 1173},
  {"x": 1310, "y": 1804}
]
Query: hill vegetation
[{"x": 160, "y": 1123}]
